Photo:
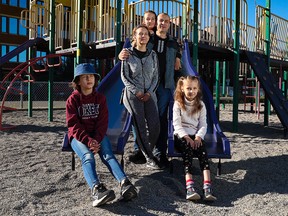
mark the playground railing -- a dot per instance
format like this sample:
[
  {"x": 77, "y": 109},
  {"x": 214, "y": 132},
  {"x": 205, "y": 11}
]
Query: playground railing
[{"x": 278, "y": 33}]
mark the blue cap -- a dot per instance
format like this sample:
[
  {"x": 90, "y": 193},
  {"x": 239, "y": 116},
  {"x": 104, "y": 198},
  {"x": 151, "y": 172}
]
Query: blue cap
[{"x": 85, "y": 68}]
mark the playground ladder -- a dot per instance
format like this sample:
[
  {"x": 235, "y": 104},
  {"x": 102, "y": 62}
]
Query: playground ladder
[{"x": 251, "y": 89}]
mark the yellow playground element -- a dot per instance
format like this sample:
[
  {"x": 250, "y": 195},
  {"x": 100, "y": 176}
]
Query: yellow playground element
[{"x": 99, "y": 20}]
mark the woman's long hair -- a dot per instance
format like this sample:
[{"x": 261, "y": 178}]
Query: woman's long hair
[{"x": 179, "y": 95}]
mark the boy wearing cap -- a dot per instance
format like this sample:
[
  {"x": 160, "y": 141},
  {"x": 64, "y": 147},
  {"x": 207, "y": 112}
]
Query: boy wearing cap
[{"x": 87, "y": 121}]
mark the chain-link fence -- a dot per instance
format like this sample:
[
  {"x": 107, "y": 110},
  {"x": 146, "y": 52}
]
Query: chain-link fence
[{"x": 17, "y": 97}]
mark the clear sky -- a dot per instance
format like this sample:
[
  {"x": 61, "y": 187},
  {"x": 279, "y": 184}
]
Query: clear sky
[{"x": 278, "y": 7}]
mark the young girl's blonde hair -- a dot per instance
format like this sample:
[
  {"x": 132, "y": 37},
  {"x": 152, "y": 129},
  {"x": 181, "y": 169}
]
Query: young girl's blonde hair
[{"x": 179, "y": 95}]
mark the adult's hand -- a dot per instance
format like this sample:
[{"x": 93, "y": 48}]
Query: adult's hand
[
  {"x": 177, "y": 65},
  {"x": 146, "y": 97},
  {"x": 124, "y": 54}
]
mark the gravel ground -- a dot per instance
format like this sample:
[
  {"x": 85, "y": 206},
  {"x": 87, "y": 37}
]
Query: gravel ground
[{"x": 36, "y": 177}]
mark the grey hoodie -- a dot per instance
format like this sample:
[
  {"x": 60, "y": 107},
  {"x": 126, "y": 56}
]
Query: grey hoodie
[{"x": 140, "y": 75}]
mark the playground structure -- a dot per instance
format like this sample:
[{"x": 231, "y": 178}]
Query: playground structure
[
  {"x": 217, "y": 31},
  {"x": 19, "y": 73},
  {"x": 99, "y": 20}
]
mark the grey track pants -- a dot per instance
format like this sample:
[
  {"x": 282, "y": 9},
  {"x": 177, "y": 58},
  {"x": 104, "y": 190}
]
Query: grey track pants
[{"x": 144, "y": 114}]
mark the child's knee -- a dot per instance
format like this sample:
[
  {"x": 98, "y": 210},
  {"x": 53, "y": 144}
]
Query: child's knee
[{"x": 88, "y": 157}]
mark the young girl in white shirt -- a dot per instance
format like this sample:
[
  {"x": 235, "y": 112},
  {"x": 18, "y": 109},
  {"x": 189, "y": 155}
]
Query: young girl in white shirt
[{"x": 190, "y": 126}]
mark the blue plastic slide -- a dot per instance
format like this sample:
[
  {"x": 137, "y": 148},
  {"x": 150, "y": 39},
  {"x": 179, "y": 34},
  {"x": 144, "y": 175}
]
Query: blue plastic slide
[
  {"x": 217, "y": 144},
  {"x": 119, "y": 124},
  {"x": 20, "y": 49}
]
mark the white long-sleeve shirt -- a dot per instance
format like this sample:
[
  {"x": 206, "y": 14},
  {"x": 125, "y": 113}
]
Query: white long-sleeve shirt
[{"x": 186, "y": 124}]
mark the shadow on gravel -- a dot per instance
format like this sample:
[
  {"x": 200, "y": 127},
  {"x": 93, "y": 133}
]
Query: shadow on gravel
[
  {"x": 254, "y": 129},
  {"x": 37, "y": 128},
  {"x": 250, "y": 177}
]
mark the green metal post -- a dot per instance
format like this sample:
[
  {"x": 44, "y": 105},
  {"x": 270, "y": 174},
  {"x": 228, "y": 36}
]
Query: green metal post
[
  {"x": 52, "y": 51},
  {"x": 79, "y": 32},
  {"x": 30, "y": 86},
  {"x": 267, "y": 109},
  {"x": 217, "y": 88},
  {"x": 217, "y": 84},
  {"x": 118, "y": 30},
  {"x": 236, "y": 66},
  {"x": 285, "y": 83},
  {"x": 223, "y": 84},
  {"x": 195, "y": 35},
  {"x": 184, "y": 18}
]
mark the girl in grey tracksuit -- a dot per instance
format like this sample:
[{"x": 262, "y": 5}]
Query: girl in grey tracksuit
[{"x": 139, "y": 73}]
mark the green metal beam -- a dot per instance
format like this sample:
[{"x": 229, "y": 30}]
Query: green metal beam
[
  {"x": 285, "y": 83},
  {"x": 52, "y": 51},
  {"x": 118, "y": 30},
  {"x": 195, "y": 35},
  {"x": 217, "y": 75},
  {"x": 267, "y": 109},
  {"x": 224, "y": 82},
  {"x": 217, "y": 89},
  {"x": 236, "y": 65},
  {"x": 79, "y": 32},
  {"x": 30, "y": 86}
]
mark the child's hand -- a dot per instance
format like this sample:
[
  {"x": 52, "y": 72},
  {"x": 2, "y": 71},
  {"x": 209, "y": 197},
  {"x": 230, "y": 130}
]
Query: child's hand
[
  {"x": 197, "y": 142},
  {"x": 94, "y": 146},
  {"x": 193, "y": 143},
  {"x": 189, "y": 141}
]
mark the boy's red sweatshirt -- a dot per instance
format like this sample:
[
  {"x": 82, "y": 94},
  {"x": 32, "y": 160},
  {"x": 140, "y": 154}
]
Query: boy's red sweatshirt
[{"x": 86, "y": 116}]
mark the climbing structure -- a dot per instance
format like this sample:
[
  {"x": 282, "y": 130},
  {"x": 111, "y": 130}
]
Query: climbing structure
[{"x": 19, "y": 73}]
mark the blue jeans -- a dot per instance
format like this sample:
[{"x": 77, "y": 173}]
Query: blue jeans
[
  {"x": 89, "y": 163},
  {"x": 136, "y": 147},
  {"x": 164, "y": 96}
]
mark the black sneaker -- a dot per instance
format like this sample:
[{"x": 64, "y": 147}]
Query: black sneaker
[
  {"x": 128, "y": 191},
  {"x": 153, "y": 164},
  {"x": 101, "y": 195},
  {"x": 137, "y": 157},
  {"x": 164, "y": 162},
  {"x": 208, "y": 196}
]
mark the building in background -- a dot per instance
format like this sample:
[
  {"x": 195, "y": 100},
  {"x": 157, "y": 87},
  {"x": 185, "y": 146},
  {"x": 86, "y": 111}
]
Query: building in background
[{"x": 12, "y": 33}]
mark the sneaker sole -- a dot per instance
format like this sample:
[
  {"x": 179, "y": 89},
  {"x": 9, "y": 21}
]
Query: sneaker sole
[
  {"x": 210, "y": 198},
  {"x": 153, "y": 167},
  {"x": 193, "y": 197},
  {"x": 129, "y": 193},
  {"x": 109, "y": 197}
]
